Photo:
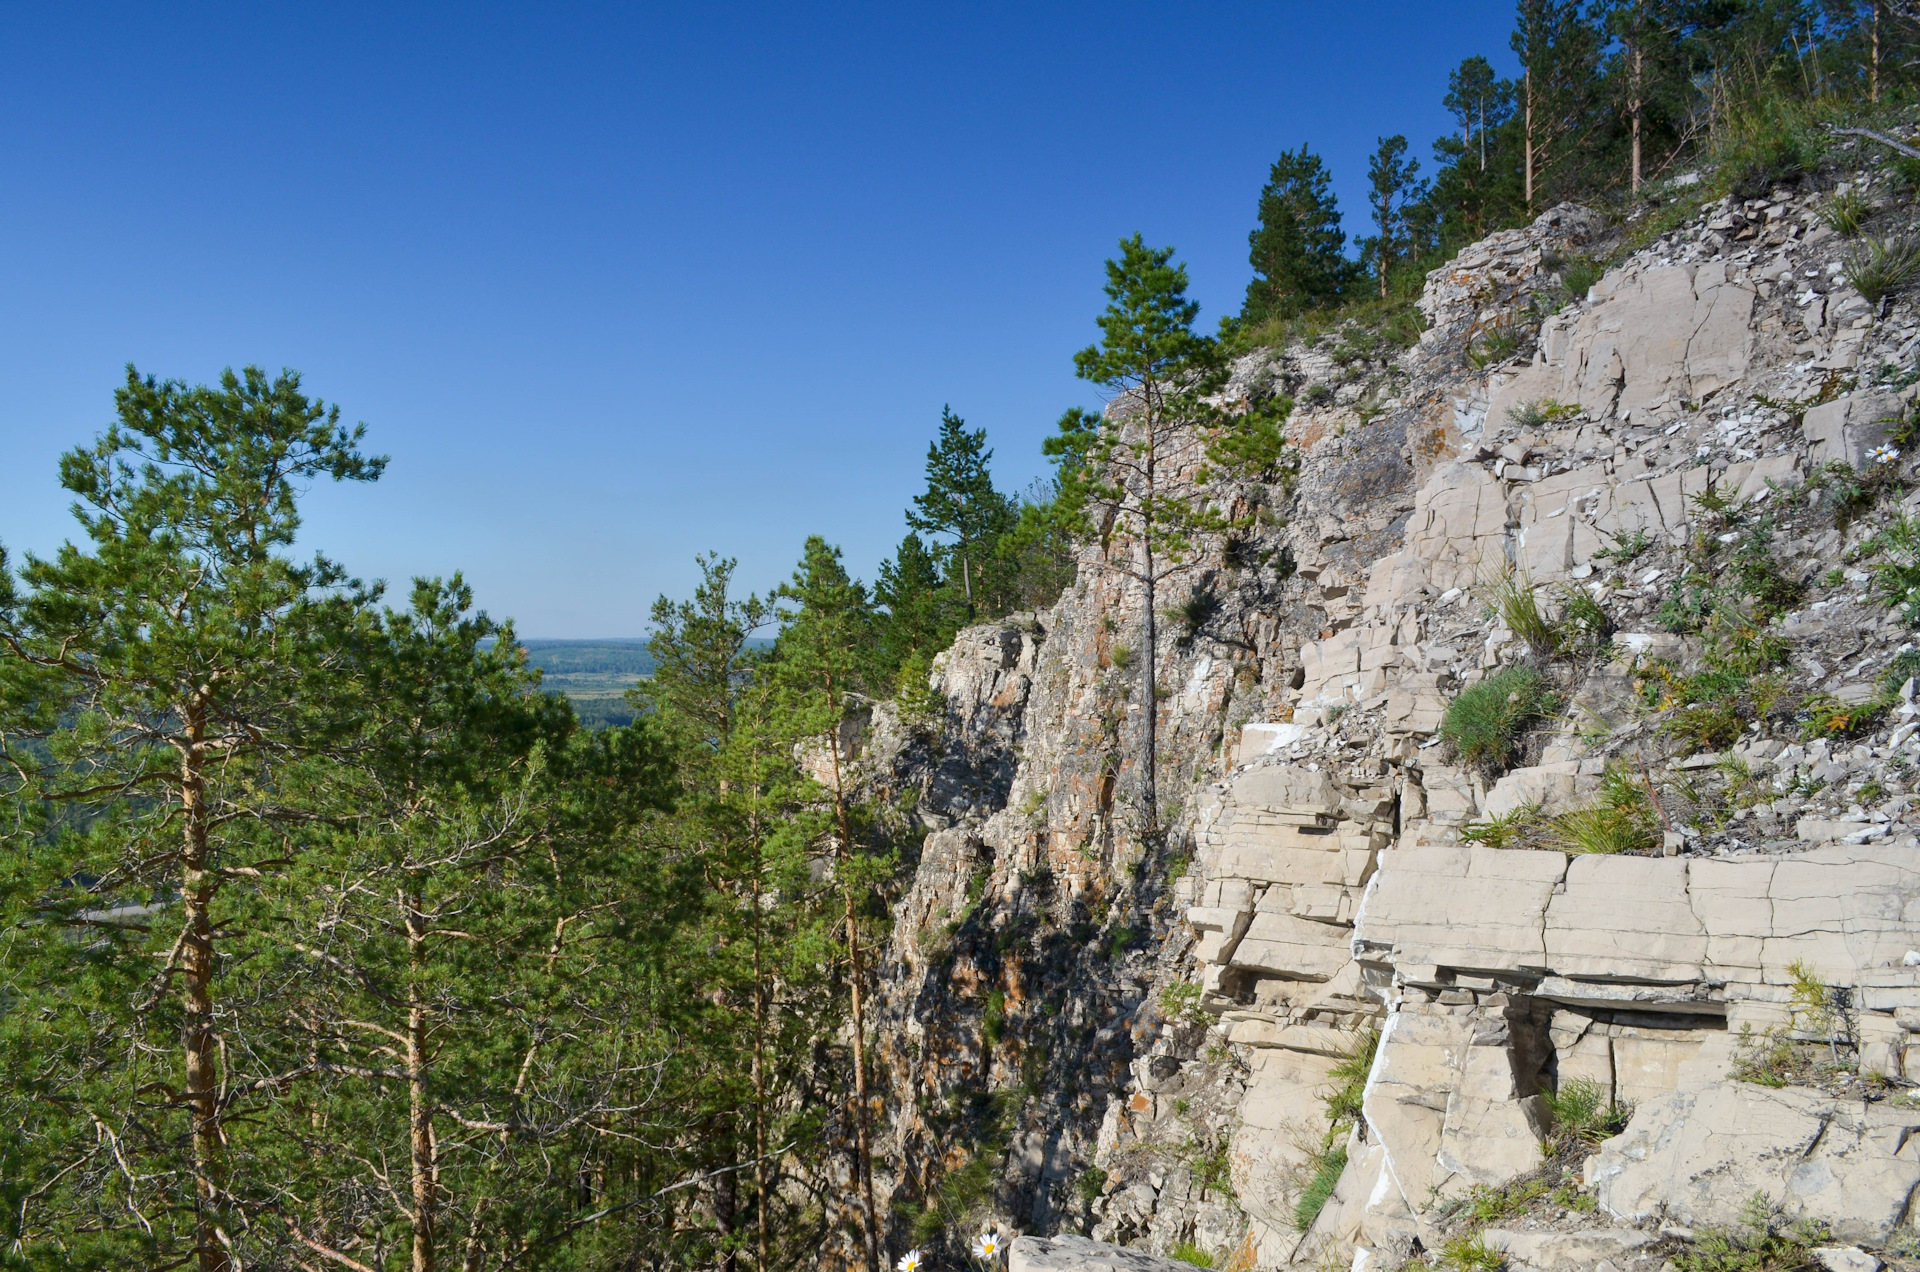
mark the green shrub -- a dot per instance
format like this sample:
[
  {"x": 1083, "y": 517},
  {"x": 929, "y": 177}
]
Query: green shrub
[
  {"x": 1187, "y": 1252},
  {"x": 1583, "y": 1115},
  {"x": 1182, "y": 1003},
  {"x": 1584, "y": 624},
  {"x": 1828, "y": 717},
  {"x": 1897, "y": 578},
  {"x": 1625, "y": 546},
  {"x": 1350, "y": 1076},
  {"x": 1510, "y": 829},
  {"x": 1581, "y": 273},
  {"x": 1471, "y": 1254},
  {"x": 1602, "y": 830},
  {"x": 1767, "y": 140},
  {"x": 1313, "y": 1198},
  {"x": 1883, "y": 266},
  {"x": 994, "y": 1019},
  {"x": 1484, "y": 721},
  {"x": 1761, "y": 1242},
  {"x": 1763, "y": 1059},
  {"x": 1904, "y": 667},
  {"x": 1091, "y": 1181}
]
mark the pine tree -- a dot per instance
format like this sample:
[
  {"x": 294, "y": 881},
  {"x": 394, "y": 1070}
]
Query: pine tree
[
  {"x": 1392, "y": 191},
  {"x": 921, "y": 616},
  {"x": 960, "y": 502},
  {"x": 1298, "y": 249},
  {"x": 824, "y": 655},
  {"x": 1132, "y": 463},
  {"x": 1559, "y": 55},
  {"x": 175, "y": 685}
]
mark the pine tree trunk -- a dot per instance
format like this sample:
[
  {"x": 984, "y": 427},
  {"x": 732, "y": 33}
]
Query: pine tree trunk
[
  {"x": 1633, "y": 107},
  {"x": 420, "y": 1146},
  {"x": 198, "y": 884},
  {"x": 1529, "y": 141},
  {"x": 1873, "y": 72},
  {"x": 725, "y": 1195},
  {"x": 966, "y": 579},
  {"x": 862, "y": 1115}
]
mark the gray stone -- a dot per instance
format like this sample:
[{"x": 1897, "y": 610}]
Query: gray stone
[
  {"x": 1078, "y": 1254},
  {"x": 1696, "y": 1155}
]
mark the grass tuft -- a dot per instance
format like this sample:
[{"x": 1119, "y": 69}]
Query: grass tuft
[
  {"x": 1883, "y": 266},
  {"x": 1484, "y": 722},
  {"x": 1313, "y": 1198},
  {"x": 1512, "y": 597},
  {"x": 1845, "y": 213},
  {"x": 1187, "y": 1252}
]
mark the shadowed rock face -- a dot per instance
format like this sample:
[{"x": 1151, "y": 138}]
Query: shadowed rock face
[{"x": 1169, "y": 1016}]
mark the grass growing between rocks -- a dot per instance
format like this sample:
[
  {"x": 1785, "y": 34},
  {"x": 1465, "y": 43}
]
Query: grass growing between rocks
[
  {"x": 1583, "y": 1115},
  {"x": 1762, "y": 1241},
  {"x": 1623, "y": 820},
  {"x": 1187, "y": 1252},
  {"x": 1322, "y": 1173},
  {"x": 1471, "y": 1254},
  {"x": 1484, "y": 722}
]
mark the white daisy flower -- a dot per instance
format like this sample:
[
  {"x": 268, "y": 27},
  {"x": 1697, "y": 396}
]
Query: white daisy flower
[
  {"x": 986, "y": 1245},
  {"x": 1884, "y": 454},
  {"x": 909, "y": 1262}
]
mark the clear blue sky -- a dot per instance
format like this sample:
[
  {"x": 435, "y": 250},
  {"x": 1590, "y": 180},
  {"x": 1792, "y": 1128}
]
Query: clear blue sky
[{"x": 617, "y": 284}]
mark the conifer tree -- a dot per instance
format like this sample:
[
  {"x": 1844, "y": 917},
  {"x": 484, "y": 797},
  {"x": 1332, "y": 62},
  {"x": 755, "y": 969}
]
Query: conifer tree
[
  {"x": 176, "y": 685},
  {"x": 1392, "y": 191},
  {"x": 824, "y": 655},
  {"x": 1298, "y": 249},
  {"x": 921, "y": 617},
  {"x": 960, "y": 502}
]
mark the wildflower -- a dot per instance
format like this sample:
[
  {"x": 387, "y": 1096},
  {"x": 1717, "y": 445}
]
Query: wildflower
[
  {"x": 909, "y": 1262},
  {"x": 1884, "y": 454},
  {"x": 986, "y": 1245}
]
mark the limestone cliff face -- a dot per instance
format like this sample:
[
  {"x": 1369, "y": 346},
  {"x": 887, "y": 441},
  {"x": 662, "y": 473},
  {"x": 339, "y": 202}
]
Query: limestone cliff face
[{"x": 1080, "y": 1033}]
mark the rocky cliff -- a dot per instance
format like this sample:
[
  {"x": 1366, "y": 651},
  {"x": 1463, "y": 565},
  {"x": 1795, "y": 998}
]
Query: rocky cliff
[{"x": 1376, "y": 992}]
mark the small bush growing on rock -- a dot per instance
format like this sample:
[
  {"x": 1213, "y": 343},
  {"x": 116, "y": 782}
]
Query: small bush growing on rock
[
  {"x": 1763, "y": 1059},
  {"x": 1883, "y": 266},
  {"x": 1182, "y": 1003},
  {"x": 1584, "y": 623},
  {"x": 1484, "y": 722},
  {"x": 1828, "y": 717},
  {"x": 1471, "y": 1254},
  {"x": 1897, "y": 577},
  {"x": 1603, "y": 830},
  {"x": 1583, "y": 1115},
  {"x": 1510, "y": 829},
  {"x": 1761, "y": 1242}
]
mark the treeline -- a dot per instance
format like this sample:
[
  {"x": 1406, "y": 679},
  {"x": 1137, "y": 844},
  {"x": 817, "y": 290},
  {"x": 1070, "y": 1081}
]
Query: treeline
[
  {"x": 329, "y": 939},
  {"x": 1612, "y": 96}
]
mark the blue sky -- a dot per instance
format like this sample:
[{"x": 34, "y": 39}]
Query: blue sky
[{"x": 617, "y": 284}]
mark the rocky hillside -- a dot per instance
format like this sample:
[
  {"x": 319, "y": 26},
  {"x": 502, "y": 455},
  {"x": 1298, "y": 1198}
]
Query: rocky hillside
[{"x": 1543, "y": 882}]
